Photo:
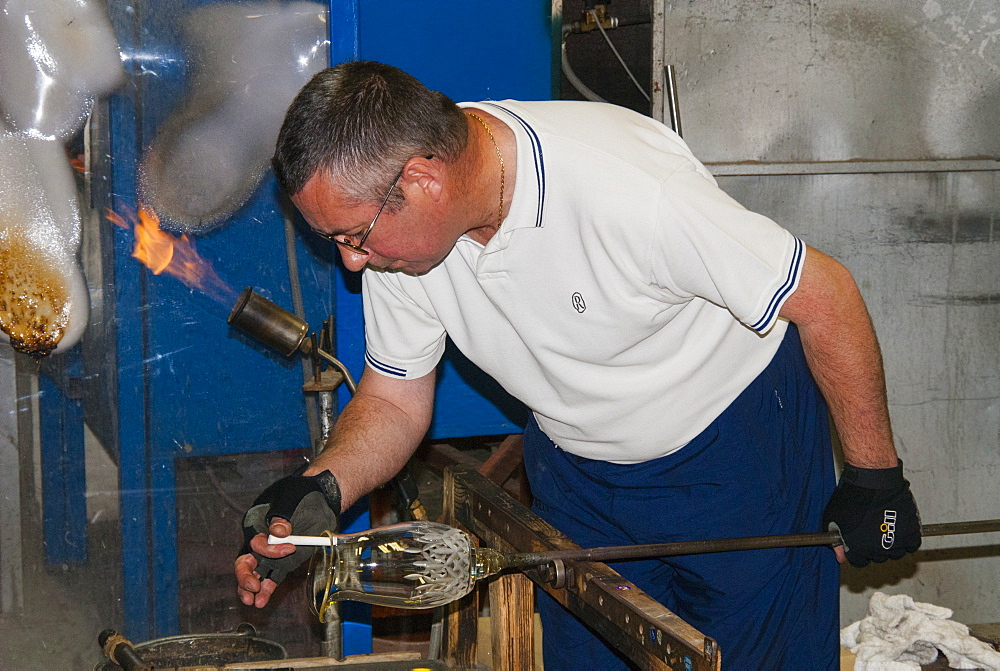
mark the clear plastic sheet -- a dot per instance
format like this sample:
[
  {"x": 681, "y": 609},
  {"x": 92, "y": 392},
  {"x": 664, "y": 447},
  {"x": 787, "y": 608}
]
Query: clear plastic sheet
[
  {"x": 248, "y": 61},
  {"x": 56, "y": 57}
]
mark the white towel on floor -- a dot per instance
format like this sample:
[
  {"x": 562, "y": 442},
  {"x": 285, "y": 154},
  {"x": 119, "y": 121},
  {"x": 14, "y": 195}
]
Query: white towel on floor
[{"x": 899, "y": 634}]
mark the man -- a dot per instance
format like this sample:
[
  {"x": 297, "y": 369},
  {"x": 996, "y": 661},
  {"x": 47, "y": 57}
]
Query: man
[{"x": 662, "y": 335}]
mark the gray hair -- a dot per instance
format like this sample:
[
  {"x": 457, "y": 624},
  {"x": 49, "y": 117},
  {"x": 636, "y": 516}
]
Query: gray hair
[{"x": 360, "y": 122}]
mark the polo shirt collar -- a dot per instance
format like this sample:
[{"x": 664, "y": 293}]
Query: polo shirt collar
[{"x": 527, "y": 206}]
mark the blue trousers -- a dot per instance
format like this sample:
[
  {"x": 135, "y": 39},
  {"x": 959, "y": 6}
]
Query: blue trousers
[{"x": 764, "y": 466}]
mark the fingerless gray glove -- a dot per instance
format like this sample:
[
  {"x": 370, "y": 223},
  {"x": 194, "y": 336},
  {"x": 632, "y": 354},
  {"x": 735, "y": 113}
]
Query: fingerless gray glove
[{"x": 310, "y": 502}]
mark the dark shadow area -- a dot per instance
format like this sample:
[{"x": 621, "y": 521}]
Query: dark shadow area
[
  {"x": 595, "y": 63},
  {"x": 892, "y": 573}
]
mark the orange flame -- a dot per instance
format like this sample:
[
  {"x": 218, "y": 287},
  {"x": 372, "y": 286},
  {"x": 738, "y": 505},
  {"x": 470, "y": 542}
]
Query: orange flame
[
  {"x": 77, "y": 163},
  {"x": 163, "y": 252}
]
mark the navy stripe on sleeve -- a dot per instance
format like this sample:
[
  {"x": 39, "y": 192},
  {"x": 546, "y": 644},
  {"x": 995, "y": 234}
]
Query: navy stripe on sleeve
[
  {"x": 384, "y": 367},
  {"x": 798, "y": 256}
]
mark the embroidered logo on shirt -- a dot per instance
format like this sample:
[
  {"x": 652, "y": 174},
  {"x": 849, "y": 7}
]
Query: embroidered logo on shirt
[{"x": 578, "y": 303}]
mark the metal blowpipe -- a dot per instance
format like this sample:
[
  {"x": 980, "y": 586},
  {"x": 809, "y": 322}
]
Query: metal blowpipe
[
  {"x": 620, "y": 552},
  {"x": 425, "y": 564}
]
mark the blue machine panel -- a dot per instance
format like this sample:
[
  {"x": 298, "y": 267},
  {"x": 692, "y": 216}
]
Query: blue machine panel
[
  {"x": 482, "y": 50},
  {"x": 187, "y": 384}
]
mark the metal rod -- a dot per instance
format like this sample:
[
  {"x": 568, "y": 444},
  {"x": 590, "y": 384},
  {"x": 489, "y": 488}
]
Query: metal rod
[
  {"x": 851, "y": 167},
  {"x": 673, "y": 104},
  {"x": 615, "y": 553},
  {"x": 341, "y": 368}
]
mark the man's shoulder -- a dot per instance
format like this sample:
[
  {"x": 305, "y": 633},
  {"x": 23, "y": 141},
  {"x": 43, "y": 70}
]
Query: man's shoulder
[
  {"x": 632, "y": 144},
  {"x": 563, "y": 112}
]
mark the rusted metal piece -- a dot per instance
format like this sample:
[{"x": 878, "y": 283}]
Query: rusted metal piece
[
  {"x": 324, "y": 380},
  {"x": 628, "y": 619}
]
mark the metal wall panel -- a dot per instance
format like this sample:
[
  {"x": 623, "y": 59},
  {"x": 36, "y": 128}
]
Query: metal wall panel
[
  {"x": 836, "y": 80},
  {"x": 454, "y": 47},
  {"x": 796, "y": 83},
  {"x": 187, "y": 385},
  {"x": 925, "y": 250}
]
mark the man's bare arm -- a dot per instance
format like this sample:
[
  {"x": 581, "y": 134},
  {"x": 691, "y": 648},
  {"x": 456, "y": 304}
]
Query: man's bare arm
[
  {"x": 377, "y": 433},
  {"x": 372, "y": 439},
  {"x": 844, "y": 357}
]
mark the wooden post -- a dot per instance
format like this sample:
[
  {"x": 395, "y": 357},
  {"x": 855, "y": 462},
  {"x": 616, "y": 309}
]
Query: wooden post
[
  {"x": 512, "y": 614},
  {"x": 461, "y": 618}
]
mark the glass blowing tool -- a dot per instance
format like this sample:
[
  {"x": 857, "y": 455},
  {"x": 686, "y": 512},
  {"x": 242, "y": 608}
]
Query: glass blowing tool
[{"x": 425, "y": 564}]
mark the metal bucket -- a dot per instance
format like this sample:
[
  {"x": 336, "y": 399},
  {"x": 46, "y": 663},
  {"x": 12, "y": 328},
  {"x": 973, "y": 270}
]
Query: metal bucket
[{"x": 243, "y": 645}]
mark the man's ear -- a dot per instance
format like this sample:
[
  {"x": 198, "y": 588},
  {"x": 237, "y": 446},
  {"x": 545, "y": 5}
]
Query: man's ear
[{"x": 424, "y": 174}]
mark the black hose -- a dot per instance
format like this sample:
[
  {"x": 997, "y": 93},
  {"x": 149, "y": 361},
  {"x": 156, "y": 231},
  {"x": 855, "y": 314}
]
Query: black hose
[{"x": 121, "y": 651}]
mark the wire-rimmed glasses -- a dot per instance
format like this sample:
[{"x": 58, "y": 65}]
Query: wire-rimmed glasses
[{"x": 359, "y": 248}]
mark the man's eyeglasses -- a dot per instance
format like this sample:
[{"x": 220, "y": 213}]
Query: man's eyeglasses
[{"x": 360, "y": 247}]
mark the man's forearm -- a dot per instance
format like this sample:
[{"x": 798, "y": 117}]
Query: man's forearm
[
  {"x": 843, "y": 354},
  {"x": 851, "y": 377},
  {"x": 376, "y": 434}
]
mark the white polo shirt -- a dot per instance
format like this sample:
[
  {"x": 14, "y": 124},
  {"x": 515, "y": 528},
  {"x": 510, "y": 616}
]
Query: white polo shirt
[{"x": 626, "y": 299}]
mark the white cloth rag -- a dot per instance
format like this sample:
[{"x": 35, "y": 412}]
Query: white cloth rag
[{"x": 899, "y": 634}]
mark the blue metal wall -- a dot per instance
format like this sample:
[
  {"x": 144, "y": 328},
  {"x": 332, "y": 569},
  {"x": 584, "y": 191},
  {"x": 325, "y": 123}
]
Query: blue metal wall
[
  {"x": 187, "y": 384},
  {"x": 482, "y": 50}
]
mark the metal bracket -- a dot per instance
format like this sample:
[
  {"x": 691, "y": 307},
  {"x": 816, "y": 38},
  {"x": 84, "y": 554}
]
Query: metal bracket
[{"x": 555, "y": 574}]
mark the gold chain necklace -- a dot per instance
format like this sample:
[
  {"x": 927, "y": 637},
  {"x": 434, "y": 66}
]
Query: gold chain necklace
[{"x": 499, "y": 156}]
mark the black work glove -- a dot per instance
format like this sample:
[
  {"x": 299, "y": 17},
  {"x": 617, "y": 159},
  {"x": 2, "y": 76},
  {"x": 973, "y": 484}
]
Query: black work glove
[
  {"x": 875, "y": 513},
  {"x": 310, "y": 502}
]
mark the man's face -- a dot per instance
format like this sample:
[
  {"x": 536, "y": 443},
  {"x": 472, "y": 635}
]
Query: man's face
[{"x": 411, "y": 240}]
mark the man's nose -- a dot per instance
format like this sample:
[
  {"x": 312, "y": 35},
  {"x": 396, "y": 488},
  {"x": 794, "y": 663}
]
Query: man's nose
[{"x": 352, "y": 260}]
